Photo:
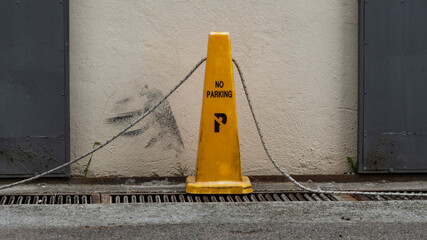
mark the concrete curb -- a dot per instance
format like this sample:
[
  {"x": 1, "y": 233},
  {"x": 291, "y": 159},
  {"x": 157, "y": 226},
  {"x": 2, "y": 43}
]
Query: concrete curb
[{"x": 97, "y": 215}]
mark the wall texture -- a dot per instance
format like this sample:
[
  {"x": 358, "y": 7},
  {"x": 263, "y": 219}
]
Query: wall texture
[{"x": 299, "y": 58}]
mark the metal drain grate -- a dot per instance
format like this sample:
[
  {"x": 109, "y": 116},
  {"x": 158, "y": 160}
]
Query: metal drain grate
[
  {"x": 42, "y": 199},
  {"x": 255, "y": 197},
  {"x": 45, "y": 199},
  {"x": 388, "y": 198}
]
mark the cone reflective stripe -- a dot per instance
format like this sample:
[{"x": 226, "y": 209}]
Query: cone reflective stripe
[{"x": 218, "y": 161}]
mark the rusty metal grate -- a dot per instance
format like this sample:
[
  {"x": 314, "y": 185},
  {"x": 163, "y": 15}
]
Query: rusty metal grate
[
  {"x": 255, "y": 197},
  {"x": 388, "y": 198},
  {"x": 45, "y": 199},
  {"x": 74, "y": 198}
]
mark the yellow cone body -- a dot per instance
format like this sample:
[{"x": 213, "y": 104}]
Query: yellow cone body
[{"x": 218, "y": 162}]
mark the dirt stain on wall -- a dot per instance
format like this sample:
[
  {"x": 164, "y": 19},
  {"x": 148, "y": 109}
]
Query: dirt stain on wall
[{"x": 160, "y": 126}]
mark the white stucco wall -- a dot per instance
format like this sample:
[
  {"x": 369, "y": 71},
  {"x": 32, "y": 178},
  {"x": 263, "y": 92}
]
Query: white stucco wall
[{"x": 299, "y": 58}]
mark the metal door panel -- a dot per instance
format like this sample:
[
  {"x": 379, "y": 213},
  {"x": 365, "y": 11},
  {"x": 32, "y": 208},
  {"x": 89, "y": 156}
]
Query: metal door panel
[
  {"x": 34, "y": 104},
  {"x": 393, "y": 86}
]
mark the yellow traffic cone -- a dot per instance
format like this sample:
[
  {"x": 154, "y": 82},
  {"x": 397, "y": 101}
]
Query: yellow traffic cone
[{"x": 218, "y": 163}]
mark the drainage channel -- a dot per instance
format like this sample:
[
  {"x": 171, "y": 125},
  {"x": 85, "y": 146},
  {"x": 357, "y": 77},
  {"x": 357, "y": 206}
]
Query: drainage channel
[
  {"x": 362, "y": 197},
  {"x": 49, "y": 199},
  {"x": 254, "y": 197},
  {"x": 116, "y": 198}
]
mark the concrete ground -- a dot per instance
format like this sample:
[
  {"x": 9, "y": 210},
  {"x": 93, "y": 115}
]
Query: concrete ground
[
  {"x": 284, "y": 220},
  {"x": 133, "y": 185}
]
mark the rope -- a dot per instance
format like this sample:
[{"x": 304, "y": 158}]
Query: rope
[
  {"x": 267, "y": 151},
  {"x": 113, "y": 137},
  {"x": 261, "y": 136}
]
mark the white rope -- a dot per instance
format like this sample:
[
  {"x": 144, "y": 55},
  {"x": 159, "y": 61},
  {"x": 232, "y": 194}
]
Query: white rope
[
  {"x": 267, "y": 151},
  {"x": 112, "y": 138}
]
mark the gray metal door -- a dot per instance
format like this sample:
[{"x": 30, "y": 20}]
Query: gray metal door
[
  {"x": 393, "y": 86},
  {"x": 34, "y": 105}
]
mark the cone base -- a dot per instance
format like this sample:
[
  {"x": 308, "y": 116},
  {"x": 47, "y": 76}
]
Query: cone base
[{"x": 219, "y": 187}]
